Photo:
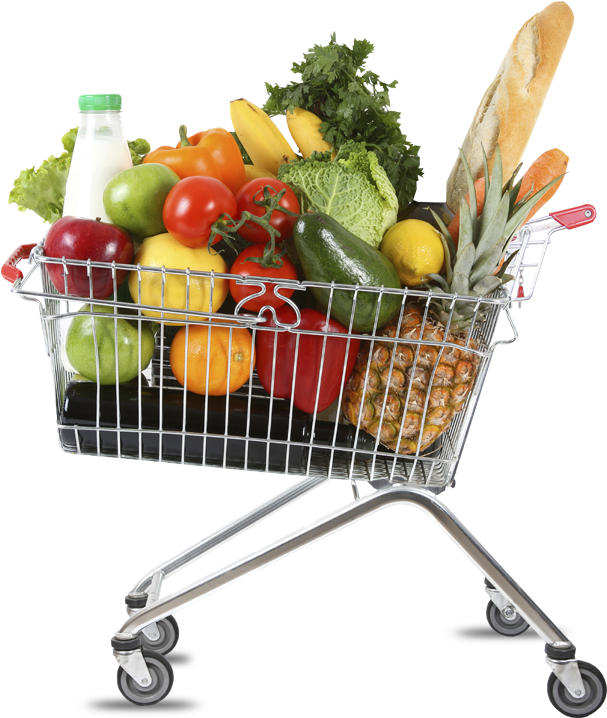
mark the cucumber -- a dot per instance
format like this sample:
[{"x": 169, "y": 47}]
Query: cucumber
[{"x": 330, "y": 253}]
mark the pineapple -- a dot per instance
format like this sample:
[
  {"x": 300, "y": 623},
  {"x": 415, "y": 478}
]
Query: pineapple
[{"x": 412, "y": 391}]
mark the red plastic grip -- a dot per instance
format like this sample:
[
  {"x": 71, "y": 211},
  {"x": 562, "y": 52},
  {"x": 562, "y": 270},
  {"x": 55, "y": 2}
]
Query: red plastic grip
[
  {"x": 9, "y": 268},
  {"x": 576, "y": 216}
]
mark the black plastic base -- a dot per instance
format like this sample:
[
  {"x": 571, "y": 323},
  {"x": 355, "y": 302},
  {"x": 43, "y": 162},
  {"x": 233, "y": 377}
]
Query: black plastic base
[
  {"x": 560, "y": 654},
  {"x": 136, "y": 601},
  {"x": 131, "y": 645}
]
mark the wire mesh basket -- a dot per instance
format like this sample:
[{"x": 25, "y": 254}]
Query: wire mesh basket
[{"x": 404, "y": 391}]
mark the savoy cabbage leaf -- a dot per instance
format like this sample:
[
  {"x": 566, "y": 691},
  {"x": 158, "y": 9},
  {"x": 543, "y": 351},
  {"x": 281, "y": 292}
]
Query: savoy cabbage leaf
[{"x": 353, "y": 188}]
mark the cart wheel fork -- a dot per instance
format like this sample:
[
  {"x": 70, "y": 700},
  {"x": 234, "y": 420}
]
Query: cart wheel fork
[
  {"x": 568, "y": 672},
  {"x": 127, "y": 651}
]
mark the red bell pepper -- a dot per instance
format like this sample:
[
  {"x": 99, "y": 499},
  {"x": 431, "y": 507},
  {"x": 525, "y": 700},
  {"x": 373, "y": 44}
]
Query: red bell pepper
[{"x": 309, "y": 353}]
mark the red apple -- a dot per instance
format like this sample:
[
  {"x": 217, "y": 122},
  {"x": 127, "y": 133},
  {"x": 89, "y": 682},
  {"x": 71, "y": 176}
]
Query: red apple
[{"x": 79, "y": 238}]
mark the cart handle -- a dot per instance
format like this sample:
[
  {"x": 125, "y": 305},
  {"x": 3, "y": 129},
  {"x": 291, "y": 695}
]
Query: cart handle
[
  {"x": 9, "y": 268},
  {"x": 576, "y": 216}
]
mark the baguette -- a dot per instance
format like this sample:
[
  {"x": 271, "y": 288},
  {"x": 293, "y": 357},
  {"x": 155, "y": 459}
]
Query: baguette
[{"x": 512, "y": 103}]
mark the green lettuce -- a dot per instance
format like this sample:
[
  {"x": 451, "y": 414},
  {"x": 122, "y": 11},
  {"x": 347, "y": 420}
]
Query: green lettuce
[
  {"x": 43, "y": 190},
  {"x": 353, "y": 188}
]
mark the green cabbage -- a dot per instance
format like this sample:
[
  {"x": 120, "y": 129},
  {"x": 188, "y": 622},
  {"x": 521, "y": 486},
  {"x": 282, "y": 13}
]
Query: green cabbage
[
  {"x": 353, "y": 188},
  {"x": 43, "y": 190}
]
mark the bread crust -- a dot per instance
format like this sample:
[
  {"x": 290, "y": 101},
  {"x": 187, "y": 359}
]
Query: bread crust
[{"x": 511, "y": 105}]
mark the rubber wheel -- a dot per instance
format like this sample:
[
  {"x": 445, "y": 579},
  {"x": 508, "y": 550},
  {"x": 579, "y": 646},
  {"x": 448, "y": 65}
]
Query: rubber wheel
[
  {"x": 168, "y": 631},
  {"x": 503, "y": 625},
  {"x": 593, "y": 699},
  {"x": 162, "y": 681}
]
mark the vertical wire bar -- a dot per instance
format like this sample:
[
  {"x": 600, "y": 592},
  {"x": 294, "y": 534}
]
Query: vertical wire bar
[
  {"x": 250, "y": 398},
  {"x": 340, "y": 397},
  {"x": 320, "y": 371},
  {"x": 139, "y": 328},
  {"x": 206, "y": 393},
  {"x": 406, "y": 402},
  {"x": 185, "y": 362},
  {"x": 362, "y": 403},
  {"x": 161, "y": 388},
  {"x": 269, "y": 433},
  {"x": 226, "y": 424},
  {"x": 116, "y": 364},
  {"x": 291, "y": 403},
  {"x": 97, "y": 370}
]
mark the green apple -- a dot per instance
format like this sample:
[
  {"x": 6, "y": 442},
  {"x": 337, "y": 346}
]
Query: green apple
[
  {"x": 134, "y": 199},
  {"x": 81, "y": 338}
]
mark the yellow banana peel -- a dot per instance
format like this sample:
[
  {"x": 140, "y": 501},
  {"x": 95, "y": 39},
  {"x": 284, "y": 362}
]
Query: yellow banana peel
[
  {"x": 304, "y": 128},
  {"x": 264, "y": 142}
]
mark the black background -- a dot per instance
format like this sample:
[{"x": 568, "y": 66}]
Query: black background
[{"x": 388, "y": 607}]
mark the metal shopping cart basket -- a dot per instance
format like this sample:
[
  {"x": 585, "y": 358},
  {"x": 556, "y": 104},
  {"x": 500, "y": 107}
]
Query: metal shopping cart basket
[{"x": 152, "y": 417}]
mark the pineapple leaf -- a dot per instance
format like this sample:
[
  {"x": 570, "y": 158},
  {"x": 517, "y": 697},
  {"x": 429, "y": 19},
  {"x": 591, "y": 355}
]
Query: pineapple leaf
[
  {"x": 510, "y": 182},
  {"x": 522, "y": 200},
  {"x": 448, "y": 243},
  {"x": 441, "y": 281},
  {"x": 504, "y": 266},
  {"x": 482, "y": 220},
  {"x": 461, "y": 272},
  {"x": 514, "y": 194},
  {"x": 486, "y": 170},
  {"x": 471, "y": 192},
  {"x": 520, "y": 214},
  {"x": 465, "y": 225},
  {"x": 507, "y": 278},
  {"x": 488, "y": 284},
  {"x": 494, "y": 229},
  {"x": 486, "y": 264},
  {"x": 493, "y": 195}
]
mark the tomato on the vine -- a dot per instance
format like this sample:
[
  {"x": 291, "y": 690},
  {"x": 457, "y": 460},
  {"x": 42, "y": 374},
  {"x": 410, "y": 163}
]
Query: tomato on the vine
[
  {"x": 246, "y": 268},
  {"x": 193, "y": 205},
  {"x": 253, "y": 191}
]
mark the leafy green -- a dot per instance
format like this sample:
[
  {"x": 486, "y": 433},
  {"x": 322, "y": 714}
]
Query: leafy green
[
  {"x": 353, "y": 189},
  {"x": 245, "y": 157},
  {"x": 43, "y": 190},
  {"x": 353, "y": 105}
]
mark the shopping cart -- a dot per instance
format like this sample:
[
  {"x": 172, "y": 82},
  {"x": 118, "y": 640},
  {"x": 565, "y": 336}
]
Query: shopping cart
[{"x": 152, "y": 417}]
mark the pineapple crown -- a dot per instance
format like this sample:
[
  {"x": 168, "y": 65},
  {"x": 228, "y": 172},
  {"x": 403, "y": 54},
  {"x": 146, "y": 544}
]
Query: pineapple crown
[{"x": 483, "y": 239}]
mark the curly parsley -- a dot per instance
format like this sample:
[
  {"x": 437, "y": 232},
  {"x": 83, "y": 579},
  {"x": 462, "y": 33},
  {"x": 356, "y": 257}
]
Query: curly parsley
[{"x": 353, "y": 104}]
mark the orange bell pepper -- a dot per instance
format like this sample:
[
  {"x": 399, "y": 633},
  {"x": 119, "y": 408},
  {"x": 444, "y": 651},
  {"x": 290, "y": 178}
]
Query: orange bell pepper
[{"x": 212, "y": 153}]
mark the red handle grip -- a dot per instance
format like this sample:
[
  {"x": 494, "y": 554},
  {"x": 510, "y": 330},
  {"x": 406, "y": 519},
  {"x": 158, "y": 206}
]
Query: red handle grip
[
  {"x": 576, "y": 216},
  {"x": 9, "y": 268}
]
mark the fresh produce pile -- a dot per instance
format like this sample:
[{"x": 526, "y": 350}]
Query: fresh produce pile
[{"x": 240, "y": 201}]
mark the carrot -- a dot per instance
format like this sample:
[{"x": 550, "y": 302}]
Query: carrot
[{"x": 545, "y": 168}]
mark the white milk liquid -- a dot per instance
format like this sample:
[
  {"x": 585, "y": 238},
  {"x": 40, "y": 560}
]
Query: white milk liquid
[{"x": 94, "y": 162}]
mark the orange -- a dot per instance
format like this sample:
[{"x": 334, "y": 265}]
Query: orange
[{"x": 226, "y": 347}]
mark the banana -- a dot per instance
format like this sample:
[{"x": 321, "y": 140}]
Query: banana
[
  {"x": 263, "y": 141},
  {"x": 303, "y": 126},
  {"x": 255, "y": 172}
]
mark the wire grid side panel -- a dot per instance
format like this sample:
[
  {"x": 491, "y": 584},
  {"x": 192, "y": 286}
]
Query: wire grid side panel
[{"x": 413, "y": 391}]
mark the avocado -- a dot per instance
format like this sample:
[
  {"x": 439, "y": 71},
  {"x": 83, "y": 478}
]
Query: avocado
[{"x": 330, "y": 253}]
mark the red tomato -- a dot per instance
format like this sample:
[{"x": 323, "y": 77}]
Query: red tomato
[
  {"x": 284, "y": 223},
  {"x": 247, "y": 269},
  {"x": 193, "y": 205}
]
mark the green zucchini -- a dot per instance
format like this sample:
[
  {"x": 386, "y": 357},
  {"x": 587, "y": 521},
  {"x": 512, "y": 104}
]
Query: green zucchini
[{"x": 330, "y": 253}]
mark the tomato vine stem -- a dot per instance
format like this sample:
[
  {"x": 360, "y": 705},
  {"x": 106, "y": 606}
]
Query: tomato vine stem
[{"x": 226, "y": 227}]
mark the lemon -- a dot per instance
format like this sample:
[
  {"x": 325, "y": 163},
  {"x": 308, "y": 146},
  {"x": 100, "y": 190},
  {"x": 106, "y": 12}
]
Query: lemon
[
  {"x": 163, "y": 250},
  {"x": 415, "y": 248}
]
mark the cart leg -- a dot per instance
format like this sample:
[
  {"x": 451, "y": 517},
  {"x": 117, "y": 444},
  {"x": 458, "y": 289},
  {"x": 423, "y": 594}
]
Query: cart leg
[
  {"x": 560, "y": 651},
  {"x": 148, "y": 587}
]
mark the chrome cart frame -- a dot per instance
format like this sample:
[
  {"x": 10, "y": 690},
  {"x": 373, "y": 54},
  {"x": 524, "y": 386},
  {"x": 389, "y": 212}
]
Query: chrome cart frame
[{"x": 142, "y": 642}]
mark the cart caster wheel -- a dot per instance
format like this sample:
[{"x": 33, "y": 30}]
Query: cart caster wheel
[
  {"x": 162, "y": 681},
  {"x": 593, "y": 699},
  {"x": 504, "y": 626},
  {"x": 168, "y": 636}
]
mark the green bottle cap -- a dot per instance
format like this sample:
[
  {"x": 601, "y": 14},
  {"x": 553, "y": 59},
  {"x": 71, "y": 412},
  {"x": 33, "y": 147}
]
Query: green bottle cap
[{"x": 99, "y": 103}]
